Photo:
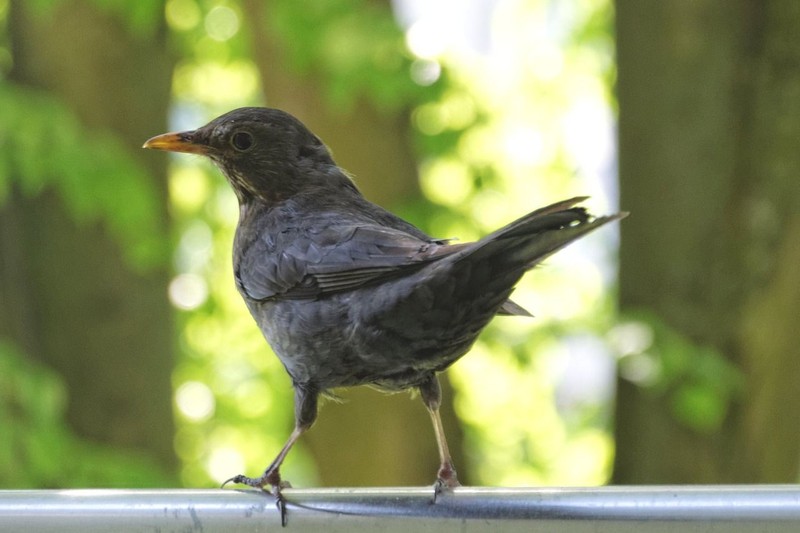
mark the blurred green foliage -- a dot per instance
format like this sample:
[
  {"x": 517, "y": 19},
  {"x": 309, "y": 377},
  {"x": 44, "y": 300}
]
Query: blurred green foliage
[
  {"x": 139, "y": 17},
  {"x": 699, "y": 382},
  {"x": 37, "y": 448},
  {"x": 44, "y": 146},
  {"x": 355, "y": 45}
]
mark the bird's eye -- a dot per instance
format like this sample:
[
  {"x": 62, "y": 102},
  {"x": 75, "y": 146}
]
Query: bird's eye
[{"x": 242, "y": 141}]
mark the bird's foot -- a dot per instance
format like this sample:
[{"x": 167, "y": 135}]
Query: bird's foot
[
  {"x": 446, "y": 481},
  {"x": 272, "y": 478}
]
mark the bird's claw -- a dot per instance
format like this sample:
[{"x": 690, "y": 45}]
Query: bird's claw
[
  {"x": 446, "y": 481},
  {"x": 442, "y": 487},
  {"x": 270, "y": 478},
  {"x": 244, "y": 480}
]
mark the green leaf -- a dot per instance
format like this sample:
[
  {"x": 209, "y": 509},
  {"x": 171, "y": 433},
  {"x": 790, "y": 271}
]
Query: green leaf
[
  {"x": 45, "y": 146},
  {"x": 698, "y": 381},
  {"x": 32, "y": 405}
]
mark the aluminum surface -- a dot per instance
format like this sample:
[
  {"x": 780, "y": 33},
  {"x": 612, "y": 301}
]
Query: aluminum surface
[{"x": 605, "y": 509}]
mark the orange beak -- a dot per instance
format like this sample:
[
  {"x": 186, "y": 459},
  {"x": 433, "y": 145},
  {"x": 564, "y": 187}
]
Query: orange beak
[{"x": 176, "y": 142}]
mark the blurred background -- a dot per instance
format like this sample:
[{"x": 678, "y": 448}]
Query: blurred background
[{"x": 664, "y": 350}]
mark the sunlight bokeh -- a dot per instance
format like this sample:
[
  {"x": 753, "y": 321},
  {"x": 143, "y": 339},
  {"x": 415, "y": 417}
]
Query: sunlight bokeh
[{"x": 547, "y": 134}]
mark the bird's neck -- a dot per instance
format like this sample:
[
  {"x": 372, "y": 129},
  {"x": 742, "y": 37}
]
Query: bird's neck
[
  {"x": 321, "y": 188},
  {"x": 272, "y": 185}
]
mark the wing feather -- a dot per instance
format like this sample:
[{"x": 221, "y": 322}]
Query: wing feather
[{"x": 301, "y": 264}]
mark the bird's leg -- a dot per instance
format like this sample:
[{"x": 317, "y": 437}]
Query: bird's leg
[
  {"x": 271, "y": 475},
  {"x": 305, "y": 412},
  {"x": 446, "y": 477}
]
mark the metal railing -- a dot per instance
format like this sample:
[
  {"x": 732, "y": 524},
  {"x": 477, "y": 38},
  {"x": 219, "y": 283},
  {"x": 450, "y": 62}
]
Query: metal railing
[{"x": 643, "y": 509}]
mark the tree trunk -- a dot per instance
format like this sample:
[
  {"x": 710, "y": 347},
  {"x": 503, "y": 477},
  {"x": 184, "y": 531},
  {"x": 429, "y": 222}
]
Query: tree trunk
[
  {"x": 709, "y": 96},
  {"x": 69, "y": 297},
  {"x": 372, "y": 439}
]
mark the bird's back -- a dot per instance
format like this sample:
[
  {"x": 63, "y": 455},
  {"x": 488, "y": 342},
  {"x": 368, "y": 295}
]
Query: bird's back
[{"x": 349, "y": 296}]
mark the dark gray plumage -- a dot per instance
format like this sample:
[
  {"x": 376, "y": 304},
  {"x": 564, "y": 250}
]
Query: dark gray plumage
[{"x": 347, "y": 293}]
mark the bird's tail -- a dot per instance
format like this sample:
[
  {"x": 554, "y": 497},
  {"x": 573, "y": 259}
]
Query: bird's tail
[
  {"x": 528, "y": 240},
  {"x": 494, "y": 264}
]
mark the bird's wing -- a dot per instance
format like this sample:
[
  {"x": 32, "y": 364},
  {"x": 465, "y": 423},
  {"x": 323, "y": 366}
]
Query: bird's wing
[{"x": 307, "y": 263}]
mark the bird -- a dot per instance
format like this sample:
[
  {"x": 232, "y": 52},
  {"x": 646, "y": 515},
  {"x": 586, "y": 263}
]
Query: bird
[{"x": 347, "y": 293}]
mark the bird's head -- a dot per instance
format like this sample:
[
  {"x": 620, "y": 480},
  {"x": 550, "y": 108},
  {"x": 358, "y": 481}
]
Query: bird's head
[{"x": 265, "y": 153}]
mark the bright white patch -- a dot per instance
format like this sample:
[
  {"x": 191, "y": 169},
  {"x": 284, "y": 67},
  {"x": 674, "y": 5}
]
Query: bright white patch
[{"x": 195, "y": 401}]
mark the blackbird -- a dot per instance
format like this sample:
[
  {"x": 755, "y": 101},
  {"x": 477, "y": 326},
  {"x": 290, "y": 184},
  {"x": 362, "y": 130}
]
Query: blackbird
[{"x": 347, "y": 293}]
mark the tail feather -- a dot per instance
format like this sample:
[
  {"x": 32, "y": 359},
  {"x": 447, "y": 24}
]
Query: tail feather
[
  {"x": 511, "y": 308},
  {"x": 537, "y": 235},
  {"x": 508, "y": 252},
  {"x": 564, "y": 211},
  {"x": 548, "y": 242}
]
